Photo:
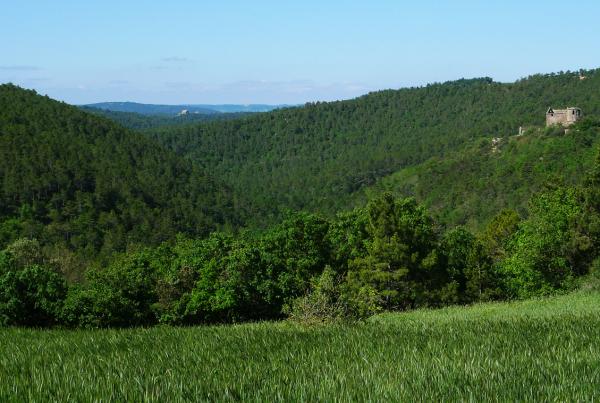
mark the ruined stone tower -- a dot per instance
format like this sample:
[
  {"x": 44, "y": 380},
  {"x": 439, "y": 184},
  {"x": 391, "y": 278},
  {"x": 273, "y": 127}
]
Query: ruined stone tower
[{"x": 564, "y": 117}]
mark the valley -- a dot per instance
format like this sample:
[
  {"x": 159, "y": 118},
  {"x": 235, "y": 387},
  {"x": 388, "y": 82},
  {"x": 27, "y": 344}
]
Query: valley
[{"x": 270, "y": 201}]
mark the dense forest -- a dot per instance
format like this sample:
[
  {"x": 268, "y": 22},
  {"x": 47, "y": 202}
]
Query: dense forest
[
  {"x": 298, "y": 213},
  {"x": 320, "y": 157},
  {"x": 82, "y": 184},
  {"x": 469, "y": 186},
  {"x": 388, "y": 255}
]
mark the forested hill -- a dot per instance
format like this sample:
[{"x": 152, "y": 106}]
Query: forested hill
[
  {"x": 472, "y": 185},
  {"x": 171, "y": 110},
  {"x": 319, "y": 156},
  {"x": 78, "y": 182}
]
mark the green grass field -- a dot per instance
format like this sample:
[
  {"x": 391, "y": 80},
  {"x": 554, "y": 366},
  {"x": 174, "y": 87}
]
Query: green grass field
[{"x": 540, "y": 349}]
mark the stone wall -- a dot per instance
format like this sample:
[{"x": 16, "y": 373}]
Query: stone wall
[{"x": 564, "y": 117}]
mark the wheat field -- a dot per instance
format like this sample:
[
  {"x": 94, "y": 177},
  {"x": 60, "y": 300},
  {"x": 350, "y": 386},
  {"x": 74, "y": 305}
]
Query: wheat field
[{"x": 546, "y": 349}]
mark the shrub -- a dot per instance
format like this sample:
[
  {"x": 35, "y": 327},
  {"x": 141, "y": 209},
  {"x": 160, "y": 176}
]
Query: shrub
[
  {"x": 330, "y": 301},
  {"x": 123, "y": 294},
  {"x": 30, "y": 296},
  {"x": 321, "y": 305},
  {"x": 225, "y": 288},
  {"x": 591, "y": 282},
  {"x": 292, "y": 253},
  {"x": 542, "y": 253},
  {"x": 31, "y": 293}
]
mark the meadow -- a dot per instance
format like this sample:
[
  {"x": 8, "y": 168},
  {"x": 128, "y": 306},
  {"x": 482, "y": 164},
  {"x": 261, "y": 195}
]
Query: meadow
[{"x": 542, "y": 349}]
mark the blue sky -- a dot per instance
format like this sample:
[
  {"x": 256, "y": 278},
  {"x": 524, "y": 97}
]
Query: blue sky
[{"x": 282, "y": 52}]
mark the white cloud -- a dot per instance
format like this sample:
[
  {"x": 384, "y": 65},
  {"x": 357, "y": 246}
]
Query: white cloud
[{"x": 175, "y": 59}]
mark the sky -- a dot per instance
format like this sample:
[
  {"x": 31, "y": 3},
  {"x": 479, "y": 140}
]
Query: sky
[{"x": 283, "y": 52}]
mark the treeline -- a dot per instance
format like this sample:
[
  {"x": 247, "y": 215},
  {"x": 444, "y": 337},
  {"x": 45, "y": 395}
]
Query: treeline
[
  {"x": 388, "y": 255},
  {"x": 86, "y": 188},
  {"x": 320, "y": 157}
]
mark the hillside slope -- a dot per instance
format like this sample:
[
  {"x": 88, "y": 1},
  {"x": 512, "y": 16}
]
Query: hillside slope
[
  {"x": 81, "y": 182},
  {"x": 319, "y": 156},
  {"x": 470, "y": 186}
]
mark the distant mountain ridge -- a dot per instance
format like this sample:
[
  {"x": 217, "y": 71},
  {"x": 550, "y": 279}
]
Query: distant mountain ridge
[
  {"x": 138, "y": 121},
  {"x": 206, "y": 109}
]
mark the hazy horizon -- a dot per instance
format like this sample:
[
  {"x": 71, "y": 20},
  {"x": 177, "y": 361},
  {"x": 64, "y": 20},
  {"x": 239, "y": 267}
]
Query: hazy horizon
[{"x": 273, "y": 53}]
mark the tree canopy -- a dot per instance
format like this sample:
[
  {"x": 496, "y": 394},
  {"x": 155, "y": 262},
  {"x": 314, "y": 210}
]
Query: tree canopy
[
  {"x": 81, "y": 183},
  {"x": 321, "y": 157}
]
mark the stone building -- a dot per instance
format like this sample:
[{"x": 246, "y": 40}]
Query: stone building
[{"x": 564, "y": 117}]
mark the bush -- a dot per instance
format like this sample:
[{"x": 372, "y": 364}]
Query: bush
[
  {"x": 225, "y": 288},
  {"x": 330, "y": 300},
  {"x": 591, "y": 282},
  {"x": 360, "y": 302},
  {"x": 542, "y": 254},
  {"x": 321, "y": 305},
  {"x": 123, "y": 294},
  {"x": 292, "y": 253},
  {"x": 97, "y": 305},
  {"x": 30, "y": 296}
]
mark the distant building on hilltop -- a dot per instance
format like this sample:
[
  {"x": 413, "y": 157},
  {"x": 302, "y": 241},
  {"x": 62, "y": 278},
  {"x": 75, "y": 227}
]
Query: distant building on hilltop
[{"x": 564, "y": 117}]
